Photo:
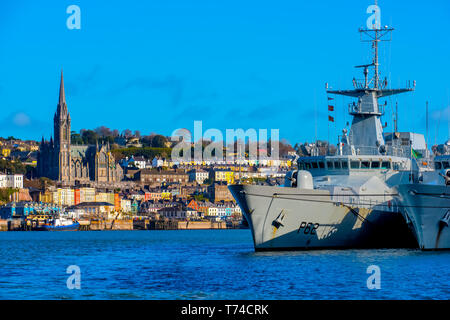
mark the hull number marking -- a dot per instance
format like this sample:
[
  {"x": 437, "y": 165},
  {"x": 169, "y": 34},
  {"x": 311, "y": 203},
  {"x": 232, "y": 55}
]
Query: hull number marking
[{"x": 308, "y": 227}]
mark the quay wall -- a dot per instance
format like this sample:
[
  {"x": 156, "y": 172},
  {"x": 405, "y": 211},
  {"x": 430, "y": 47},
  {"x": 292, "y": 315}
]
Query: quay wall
[
  {"x": 195, "y": 225},
  {"x": 109, "y": 224}
]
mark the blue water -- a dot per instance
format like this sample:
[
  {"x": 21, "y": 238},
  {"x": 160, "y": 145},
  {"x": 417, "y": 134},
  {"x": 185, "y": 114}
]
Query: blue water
[{"x": 206, "y": 264}]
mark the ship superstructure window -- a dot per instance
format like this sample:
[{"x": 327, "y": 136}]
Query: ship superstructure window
[
  {"x": 314, "y": 165},
  {"x": 344, "y": 165},
  {"x": 437, "y": 165},
  {"x": 445, "y": 164},
  {"x": 354, "y": 164},
  {"x": 321, "y": 165},
  {"x": 375, "y": 165},
  {"x": 385, "y": 165},
  {"x": 307, "y": 165},
  {"x": 337, "y": 165},
  {"x": 365, "y": 165},
  {"x": 330, "y": 165}
]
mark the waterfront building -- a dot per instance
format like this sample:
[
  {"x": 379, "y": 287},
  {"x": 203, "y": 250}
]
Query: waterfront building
[
  {"x": 25, "y": 208},
  {"x": 61, "y": 161},
  {"x": 94, "y": 209},
  {"x": 125, "y": 205},
  {"x": 176, "y": 211},
  {"x": 213, "y": 211}
]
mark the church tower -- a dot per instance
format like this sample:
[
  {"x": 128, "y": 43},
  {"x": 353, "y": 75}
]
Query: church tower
[{"x": 62, "y": 137}]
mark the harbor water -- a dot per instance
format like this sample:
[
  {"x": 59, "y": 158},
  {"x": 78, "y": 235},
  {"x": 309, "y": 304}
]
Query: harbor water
[{"x": 206, "y": 264}]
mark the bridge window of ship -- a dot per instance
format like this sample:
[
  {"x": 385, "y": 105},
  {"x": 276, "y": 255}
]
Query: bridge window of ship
[
  {"x": 321, "y": 165},
  {"x": 445, "y": 164},
  {"x": 337, "y": 165},
  {"x": 437, "y": 165},
  {"x": 344, "y": 165},
  {"x": 354, "y": 164},
  {"x": 385, "y": 165},
  {"x": 330, "y": 165},
  {"x": 314, "y": 165},
  {"x": 365, "y": 165},
  {"x": 375, "y": 165}
]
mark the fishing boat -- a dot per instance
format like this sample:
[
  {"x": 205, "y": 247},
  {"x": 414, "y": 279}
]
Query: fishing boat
[{"x": 61, "y": 224}]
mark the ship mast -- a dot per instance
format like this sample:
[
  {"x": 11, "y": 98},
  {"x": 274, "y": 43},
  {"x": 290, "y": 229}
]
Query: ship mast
[{"x": 366, "y": 132}]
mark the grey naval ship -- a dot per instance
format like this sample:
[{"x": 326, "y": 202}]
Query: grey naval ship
[
  {"x": 425, "y": 204},
  {"x": 345, "y": 200}
]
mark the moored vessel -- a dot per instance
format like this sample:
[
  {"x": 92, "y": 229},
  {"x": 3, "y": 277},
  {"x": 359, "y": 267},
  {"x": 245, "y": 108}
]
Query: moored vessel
[
  {"x": 425, "y": 205},
  {"x": 346, "y": 200}
]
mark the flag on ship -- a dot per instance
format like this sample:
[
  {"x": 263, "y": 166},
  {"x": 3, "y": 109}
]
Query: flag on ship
[
  {"x": 330, "y": 108},
  {"x": 330, "y": 118},
  {"x": 416, "y": 154}
]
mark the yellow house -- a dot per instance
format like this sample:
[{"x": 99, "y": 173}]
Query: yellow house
[
  {"x": 212, "y": 211},
  {"x": 6, "y": 152},
  {"x": 222, "y": 175},
  {"x": 166, "y": 195},
  {"x": 63, "y": 197},
  {"x": 46, "y": 197}
]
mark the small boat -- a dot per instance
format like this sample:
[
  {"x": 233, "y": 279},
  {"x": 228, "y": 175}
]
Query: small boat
[{"x": 61, "y": 224}]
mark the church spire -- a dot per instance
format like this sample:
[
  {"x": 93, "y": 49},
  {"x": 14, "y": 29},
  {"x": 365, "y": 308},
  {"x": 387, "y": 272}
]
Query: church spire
[
  {"x": 62, "y": 106},
  {"x": 62, "y": 96}
]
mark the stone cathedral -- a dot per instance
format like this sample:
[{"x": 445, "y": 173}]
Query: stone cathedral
[{"x": 61, "y": 161}]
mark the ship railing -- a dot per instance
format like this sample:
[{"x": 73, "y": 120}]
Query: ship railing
[
  {"x": 374, "y": 151},
  {"x": 367, "y": 202},
  {"x": 361, "y": 83}
]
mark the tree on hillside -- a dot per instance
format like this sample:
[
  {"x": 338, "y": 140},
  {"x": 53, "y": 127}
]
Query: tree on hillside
[
  {"x": 76, "y": 138},
  {"x": 127, "y": 133},
  {"x": 89, "y": 136},
  {"x": 159, "y": 141}
]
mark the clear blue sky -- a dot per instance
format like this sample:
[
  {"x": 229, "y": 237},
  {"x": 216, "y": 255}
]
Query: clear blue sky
[{"x": 155, "y": 66}]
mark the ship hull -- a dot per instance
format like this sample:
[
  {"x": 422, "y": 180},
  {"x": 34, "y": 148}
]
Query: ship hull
[
  {"x": 300, "y": 219},
  {"x": 425, "y": 208}
]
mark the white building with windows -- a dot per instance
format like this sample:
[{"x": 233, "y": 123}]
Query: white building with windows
[
  {"x": 140, "y": 162},
  {"x": 198, "y": 175},
  {"x": 11, "y": 180}
]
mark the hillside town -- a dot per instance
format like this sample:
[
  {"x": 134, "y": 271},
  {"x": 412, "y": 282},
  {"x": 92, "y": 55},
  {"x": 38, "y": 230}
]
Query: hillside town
[{"x": 107, "y": 180}]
